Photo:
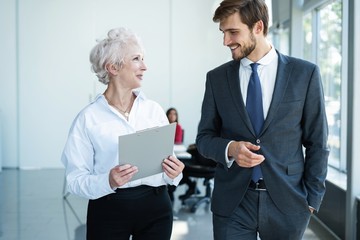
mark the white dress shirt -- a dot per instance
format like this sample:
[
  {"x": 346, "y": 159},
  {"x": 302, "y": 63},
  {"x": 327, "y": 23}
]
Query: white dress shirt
[
  {"x": 267, "y": 73},
  {"x": 91, "y": 150},
  {"x": 267, "y": 70}
]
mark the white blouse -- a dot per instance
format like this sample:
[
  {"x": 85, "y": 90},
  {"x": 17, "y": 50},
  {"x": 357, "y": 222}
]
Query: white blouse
[{"x": 91, "y": 150}]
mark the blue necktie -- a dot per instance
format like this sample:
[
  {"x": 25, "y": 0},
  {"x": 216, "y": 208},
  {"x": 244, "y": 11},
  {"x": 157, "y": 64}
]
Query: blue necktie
[{"x": 254, "y": 108}]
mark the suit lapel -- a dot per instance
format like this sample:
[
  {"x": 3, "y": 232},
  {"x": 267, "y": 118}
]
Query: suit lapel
[
  {"x": 282, "y": 79},
  {"x": 234, "y": 86}
]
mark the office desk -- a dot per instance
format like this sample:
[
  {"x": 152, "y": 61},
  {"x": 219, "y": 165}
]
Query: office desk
[{"x": 180, "y": 151}]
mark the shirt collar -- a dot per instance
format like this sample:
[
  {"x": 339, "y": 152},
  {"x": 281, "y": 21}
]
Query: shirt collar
[
  {"x": 265, "y": 60},
  {"x": 139, "y": 95}
]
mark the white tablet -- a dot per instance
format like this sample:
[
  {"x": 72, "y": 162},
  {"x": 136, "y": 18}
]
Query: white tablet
[{"x": 147, "y": 149}]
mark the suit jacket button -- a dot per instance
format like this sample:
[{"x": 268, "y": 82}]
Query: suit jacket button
[{"x": 258, "y": 141}]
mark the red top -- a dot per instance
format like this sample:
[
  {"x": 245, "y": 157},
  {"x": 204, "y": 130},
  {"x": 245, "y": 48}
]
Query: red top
[{"x": 178, "y": 134}]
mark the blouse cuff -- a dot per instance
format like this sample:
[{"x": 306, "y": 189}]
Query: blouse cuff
[{"x": 174, "y": 181}]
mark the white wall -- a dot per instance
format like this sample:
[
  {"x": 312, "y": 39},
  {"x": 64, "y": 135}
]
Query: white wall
[
  {"x": 196, "y": 48},
  {"x": 8, "y": 83},
  {"x": 46, "y": 77}
]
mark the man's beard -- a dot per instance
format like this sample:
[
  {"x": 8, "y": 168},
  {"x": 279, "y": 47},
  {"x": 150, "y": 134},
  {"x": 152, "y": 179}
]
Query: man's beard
[{"x": 246, "y": 50}]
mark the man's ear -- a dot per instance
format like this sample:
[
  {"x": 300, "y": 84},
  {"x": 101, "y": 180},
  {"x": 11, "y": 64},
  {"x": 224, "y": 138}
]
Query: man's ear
[{"x": 258, "y": 27}]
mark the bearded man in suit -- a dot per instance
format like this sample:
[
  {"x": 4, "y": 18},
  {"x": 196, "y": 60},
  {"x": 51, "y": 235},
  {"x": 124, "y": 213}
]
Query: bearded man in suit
[{"x": 272, "y": 164}]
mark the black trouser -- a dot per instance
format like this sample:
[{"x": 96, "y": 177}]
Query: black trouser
[
  {"x": 142, "y": 212},
  {"x": 257, "y": 213}
]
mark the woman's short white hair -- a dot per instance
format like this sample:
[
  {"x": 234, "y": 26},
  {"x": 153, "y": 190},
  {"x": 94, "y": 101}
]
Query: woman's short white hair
[{"x": 112, "y": 50}]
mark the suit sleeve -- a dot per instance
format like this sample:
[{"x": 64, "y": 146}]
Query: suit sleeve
[
  {"x": 314, "y": 138},
  {"x": 209, "y": 141}
]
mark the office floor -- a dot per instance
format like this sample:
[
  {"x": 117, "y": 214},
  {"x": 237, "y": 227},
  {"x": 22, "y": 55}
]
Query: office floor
[{"x": 32, "y": 208}]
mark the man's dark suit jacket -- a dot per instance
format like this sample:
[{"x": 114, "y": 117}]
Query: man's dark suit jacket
[{"x": 293, "y": 139}]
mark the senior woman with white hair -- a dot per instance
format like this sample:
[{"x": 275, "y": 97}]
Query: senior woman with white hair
[{"x": 119, "y": 207}]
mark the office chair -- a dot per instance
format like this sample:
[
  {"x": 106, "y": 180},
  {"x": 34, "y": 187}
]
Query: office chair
[{"x": 199, "y": 167}]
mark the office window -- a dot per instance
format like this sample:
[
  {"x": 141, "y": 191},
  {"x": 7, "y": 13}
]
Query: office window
[
  {"x": 280, "y": 39},
  {"x": 308, "y": 41},
  {"x": 322, "y": 44}
]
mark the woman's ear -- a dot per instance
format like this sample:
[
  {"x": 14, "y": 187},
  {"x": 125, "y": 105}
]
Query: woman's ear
[{"x": 112, "y": 68}]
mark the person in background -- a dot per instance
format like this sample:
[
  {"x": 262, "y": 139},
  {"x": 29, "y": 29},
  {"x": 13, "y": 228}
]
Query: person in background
[
  {"x": 259, "y": 112},
  {"x": 173, "y": 116},
  {"x": 119, "y": 207}
]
